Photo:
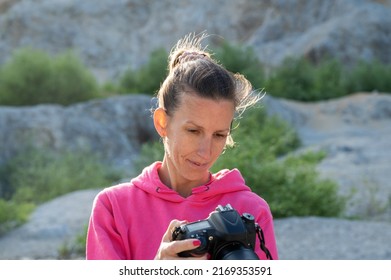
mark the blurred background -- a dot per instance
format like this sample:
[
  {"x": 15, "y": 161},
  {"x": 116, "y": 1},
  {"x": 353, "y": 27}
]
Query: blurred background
[{"x": 78, "y": 80}]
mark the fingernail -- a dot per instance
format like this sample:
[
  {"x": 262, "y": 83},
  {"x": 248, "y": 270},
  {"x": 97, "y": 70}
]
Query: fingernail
[{"x": 196, "y": 242}]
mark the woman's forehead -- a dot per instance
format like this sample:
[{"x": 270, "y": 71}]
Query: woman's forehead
[
  {"x": 199, "y": 110},
  {"x": 191, "y": 98}
]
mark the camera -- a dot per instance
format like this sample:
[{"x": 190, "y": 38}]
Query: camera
[{"x": 225, "y": 235}]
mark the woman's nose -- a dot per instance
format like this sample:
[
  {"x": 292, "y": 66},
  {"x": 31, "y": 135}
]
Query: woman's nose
[{"x": 205, "y": 147}]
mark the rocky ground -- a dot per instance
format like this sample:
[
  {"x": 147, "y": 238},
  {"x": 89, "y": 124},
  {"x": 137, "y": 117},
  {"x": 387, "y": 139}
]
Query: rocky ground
[
  {"x": 355, "y": 131},
  {"x": 54, "y": 226}
]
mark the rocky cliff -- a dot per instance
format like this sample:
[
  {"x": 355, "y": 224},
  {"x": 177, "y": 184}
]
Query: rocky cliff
[
  {"x": 113, "y": 128},
  {"x": 111, "y": 36}
]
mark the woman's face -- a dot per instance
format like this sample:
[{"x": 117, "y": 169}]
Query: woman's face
[{"x": 196, "y": 134}]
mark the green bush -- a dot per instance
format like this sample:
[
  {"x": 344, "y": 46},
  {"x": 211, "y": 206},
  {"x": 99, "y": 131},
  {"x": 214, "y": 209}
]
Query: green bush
[
  {"x": 13, "y": 214},
  {"x": 369, "y": 76},
  {"x": 32, "y": 77},
  {"x": 293, "y": 188},
  {"x": 24, "y": 79},
  {"x": 264, "y": 154},
  {"x": 298, "y": 79},
  {"x": 329, "y": 81},
  {"x": 293, "y": 80},
  {"x": 36, "y": 176},
  {"x": 147, "y": 78},
  {"x": 39, "y": 175},
  {"x": 71, "y": 81},
  {"x": 240, "y": 59},
  {"x": 275, "y": 135}
]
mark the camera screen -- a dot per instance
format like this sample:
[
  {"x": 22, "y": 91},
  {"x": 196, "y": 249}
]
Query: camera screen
[{"x": 198, "y": 225}]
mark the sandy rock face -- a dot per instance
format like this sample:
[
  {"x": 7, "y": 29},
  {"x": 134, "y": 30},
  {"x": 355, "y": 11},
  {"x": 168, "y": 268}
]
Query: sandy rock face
[
  {"x": 355, "y": 133},
  {"x": 113, "y": 128},
  {"x": 112, "y": 36}
]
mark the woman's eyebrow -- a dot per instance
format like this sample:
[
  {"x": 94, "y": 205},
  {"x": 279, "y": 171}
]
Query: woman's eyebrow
[{"x": 200, "y": 126}]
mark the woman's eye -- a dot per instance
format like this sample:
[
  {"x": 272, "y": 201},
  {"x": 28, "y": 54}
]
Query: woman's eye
[
  {"x": 192, "y": 130},
  {"x": 221, "y": 135}
]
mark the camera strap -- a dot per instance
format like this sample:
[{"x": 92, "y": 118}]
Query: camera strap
[{"x": 261, "y": 238}]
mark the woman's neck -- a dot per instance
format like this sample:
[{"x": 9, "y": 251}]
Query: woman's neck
[{"x": 180, "y": 184}]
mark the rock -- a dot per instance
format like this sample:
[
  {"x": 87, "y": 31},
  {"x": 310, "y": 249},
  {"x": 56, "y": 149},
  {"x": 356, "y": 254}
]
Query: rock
[
  {"x": 114, "y": 128},
  {"x": 112, "y": 36},
  {"x": 52, "y": 225},
  {"x": 344, "y": 30},
  {"x": 355, "y": 133},
  {"x": 316, "y": 238}
]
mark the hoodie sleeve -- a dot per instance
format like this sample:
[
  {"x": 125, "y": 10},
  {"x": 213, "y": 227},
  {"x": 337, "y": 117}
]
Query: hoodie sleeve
[{"x": 103, "y": 239}]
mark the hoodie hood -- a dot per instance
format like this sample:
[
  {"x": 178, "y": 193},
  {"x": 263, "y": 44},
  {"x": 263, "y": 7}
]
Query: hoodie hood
[{"x": 222, "y": 182}]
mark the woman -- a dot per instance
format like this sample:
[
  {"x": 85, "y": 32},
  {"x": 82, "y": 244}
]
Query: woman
[{"x": 198, "y": 102}]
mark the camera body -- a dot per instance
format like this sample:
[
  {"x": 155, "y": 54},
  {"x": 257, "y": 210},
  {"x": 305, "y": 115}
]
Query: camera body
[{"x": 225, "y": 235}]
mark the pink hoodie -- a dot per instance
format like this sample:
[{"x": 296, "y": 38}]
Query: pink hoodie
[{"x": 128, "y": 220}]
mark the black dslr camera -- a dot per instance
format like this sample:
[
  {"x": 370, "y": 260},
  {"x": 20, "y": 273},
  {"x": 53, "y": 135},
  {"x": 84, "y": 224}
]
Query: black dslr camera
[{"x": 225, "y": 235}]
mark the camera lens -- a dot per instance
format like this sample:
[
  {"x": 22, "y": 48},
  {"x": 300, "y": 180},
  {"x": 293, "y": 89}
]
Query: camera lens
[
  {"x": 242, "y": 254},
  {"x": 235, "y": 251}
]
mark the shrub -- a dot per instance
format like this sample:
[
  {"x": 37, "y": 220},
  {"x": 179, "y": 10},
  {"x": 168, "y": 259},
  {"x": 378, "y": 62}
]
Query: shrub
[
  {"x": 241, "y": 59},
  {"x": 71, "y": 81},
  {"x": 369, "y": 76},
  {"x": 147, "y": 78},
  {"x": 36, "y": 176},
  {"x": 32, "y": 77},
  {"x": 298, "y": 79},
  {"x": 13, "y": 214},
  {"x": 40, "y": 175},
  {"x": 293, "y": 188},
  {"x": 24, "y": 79},
  {"x": 328, "y": 81},
  {"x": 275, "y": 135},
  {"x": 295, "y": 78},
  {"x": 292, "y": 80}
]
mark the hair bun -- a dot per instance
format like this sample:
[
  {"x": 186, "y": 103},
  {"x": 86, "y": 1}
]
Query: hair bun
[
  {"x": 186, "y": 56},
  {"x": 189, "y": 56}
]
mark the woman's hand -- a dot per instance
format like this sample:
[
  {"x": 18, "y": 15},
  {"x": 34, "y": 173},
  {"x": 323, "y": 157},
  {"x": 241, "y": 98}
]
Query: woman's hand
[{"x": 169, "y": 249}]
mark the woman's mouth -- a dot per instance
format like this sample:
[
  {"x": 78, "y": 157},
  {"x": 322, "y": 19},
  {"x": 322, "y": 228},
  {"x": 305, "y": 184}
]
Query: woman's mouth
[{"x": 197, "y": 164}]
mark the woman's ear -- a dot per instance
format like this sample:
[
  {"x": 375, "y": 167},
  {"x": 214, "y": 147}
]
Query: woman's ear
[{"x": 160, "y": 121}]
